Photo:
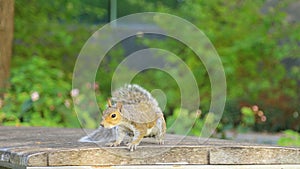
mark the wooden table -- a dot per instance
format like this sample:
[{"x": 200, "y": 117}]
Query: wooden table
[{"x": 36, "y": 147}]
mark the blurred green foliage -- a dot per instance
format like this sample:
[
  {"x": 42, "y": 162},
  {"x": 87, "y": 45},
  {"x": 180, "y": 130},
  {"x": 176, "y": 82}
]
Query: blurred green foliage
[
  {"x": 290, "y": 138},
  {"x": 47, "y": 40},
  {"x": 248, "y": 119},
  {"x": 253, "y": 46},
  {"x": 39, "y": 96},
  {"x": 188, "y": 123},
  {"x": 253, "y": 41}
]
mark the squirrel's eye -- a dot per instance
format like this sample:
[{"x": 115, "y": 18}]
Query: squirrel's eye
[{"x": 113, "y": 115}]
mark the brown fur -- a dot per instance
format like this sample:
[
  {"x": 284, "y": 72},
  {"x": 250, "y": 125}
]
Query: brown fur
[{"x": 138, "y": 114}]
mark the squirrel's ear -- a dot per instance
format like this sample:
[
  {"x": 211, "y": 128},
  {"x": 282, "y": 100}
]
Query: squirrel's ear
[
  {"x": 119, "y": 106},
  {"x": 109, "y": 103}
]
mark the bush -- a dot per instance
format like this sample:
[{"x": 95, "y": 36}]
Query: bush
[
  {"x": 46, "y": 44},
  {"x": 38, "y": 96},
  {"x": 291, "y": 138}
]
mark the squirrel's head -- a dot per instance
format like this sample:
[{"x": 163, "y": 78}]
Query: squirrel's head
[{"x": 112, "y": 115}]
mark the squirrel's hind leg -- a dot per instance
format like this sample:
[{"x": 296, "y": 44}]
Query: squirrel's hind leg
[
  {"x": 161, "y": 130},
  {"x": 160, "y": 140}
]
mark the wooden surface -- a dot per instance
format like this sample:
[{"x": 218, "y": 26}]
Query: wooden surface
[{"x": 34, "y": 147}]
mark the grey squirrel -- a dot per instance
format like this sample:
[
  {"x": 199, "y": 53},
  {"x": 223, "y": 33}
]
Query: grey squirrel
[{"x": 131, "y": 111}]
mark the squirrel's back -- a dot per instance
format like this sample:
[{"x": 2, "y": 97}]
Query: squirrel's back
[{"x": 133, "y": 94}]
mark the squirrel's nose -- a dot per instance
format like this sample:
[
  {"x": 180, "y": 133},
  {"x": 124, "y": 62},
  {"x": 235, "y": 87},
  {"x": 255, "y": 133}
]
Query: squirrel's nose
[{"x": 101, "y": 124}]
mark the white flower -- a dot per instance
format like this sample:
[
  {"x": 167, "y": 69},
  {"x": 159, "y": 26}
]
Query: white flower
[
  {"x": 74, "y": 92},
  {"x": 35, "y": 96},
  {"x": 295, "y": 114},
  {"x": 96, "y": 86},
  {"x": 67, "y": 103},
  {"x": 255, "y": 108},
  {"x": 263, "y": 118}
]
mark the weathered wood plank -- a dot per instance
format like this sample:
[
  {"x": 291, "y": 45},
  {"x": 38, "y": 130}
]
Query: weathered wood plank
[
  {"x": 254, "y": 155},
  {"x": 178, "y": 167},
  {"x": 121, "y": 156}
]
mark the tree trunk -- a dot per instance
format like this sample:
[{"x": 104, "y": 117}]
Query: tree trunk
[{"x": 6, "y": 38}]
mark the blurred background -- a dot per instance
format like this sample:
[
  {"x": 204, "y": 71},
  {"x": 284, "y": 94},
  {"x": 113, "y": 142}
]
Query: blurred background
[{"x": 258, "y": 43}]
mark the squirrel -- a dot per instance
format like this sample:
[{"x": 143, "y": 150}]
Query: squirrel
[{"x": 131, "y": 111}]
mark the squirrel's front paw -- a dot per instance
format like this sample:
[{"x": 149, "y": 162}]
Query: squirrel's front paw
[
  {"x": 114, "y": 144},
  {"x": 132, "y": 146}
]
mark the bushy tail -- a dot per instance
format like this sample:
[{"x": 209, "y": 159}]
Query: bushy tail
[
  {"x": 101, "y": 135},
  {"x": 133, "y": 94}
]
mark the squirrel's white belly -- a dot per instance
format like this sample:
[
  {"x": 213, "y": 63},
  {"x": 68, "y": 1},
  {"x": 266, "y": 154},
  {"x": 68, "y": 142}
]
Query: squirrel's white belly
[
  {"x": 155, "y": 129},
  {"x": 152, "y": 132},
  {"x": 149, "y": 131}
]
